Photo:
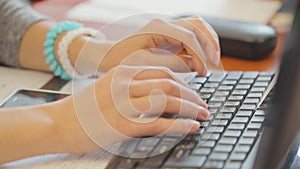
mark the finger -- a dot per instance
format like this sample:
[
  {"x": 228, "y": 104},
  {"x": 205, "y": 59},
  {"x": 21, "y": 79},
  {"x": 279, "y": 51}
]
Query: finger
[
  {"x": 169, "y": 87},
  {"x": 211, "y": 34},
  {"x": 155, "y": 104},
  {"x": 197, "y": 24},
  {"x": 156, "y": 72},
  {"x": 205, "y": 35},
  {"x": 152, "y": 127},
  {"x": 158, "y": 28},
  {"x": 147, "y": 57}
]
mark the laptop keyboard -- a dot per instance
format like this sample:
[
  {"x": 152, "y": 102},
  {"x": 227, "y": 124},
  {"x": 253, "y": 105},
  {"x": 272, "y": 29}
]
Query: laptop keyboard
[{"x": 223, "y": 141}]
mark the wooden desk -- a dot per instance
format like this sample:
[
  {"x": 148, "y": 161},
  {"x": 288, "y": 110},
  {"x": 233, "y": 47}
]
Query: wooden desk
[{"x": 57, "y": 9}]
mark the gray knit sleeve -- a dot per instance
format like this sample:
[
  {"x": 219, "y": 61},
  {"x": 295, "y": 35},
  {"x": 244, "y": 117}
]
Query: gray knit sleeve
[{"x": 15, "y": 18}]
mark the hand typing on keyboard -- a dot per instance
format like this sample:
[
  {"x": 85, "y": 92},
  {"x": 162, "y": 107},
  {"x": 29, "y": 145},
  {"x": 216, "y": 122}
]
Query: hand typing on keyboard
[
  {"x": 125, "y": 93},
  {"x": 177, "y": 44}
]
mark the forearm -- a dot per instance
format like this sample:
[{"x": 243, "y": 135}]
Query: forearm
[
  {"x": 45, "y": 129},
  {"x": 25, "y": 132},
  {"x": 31, "y": 53}
]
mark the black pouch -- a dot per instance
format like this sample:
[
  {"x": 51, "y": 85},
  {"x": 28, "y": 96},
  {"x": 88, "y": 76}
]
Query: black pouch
[{"x": 243, "y": 39}]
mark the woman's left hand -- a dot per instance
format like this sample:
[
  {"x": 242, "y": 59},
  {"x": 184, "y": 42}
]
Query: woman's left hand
[{"x": 158, "y": 43}]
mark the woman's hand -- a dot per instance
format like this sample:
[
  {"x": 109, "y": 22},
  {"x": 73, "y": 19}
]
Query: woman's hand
[
  {"x": 159, "y": 42},
  {"x": 128, "y": 102}
]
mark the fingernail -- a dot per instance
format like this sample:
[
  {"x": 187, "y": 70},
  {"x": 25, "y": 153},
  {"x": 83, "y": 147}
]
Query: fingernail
[
  {"x": 193, "y": 125},
  {"x": 204, "y": 104},
  {"x": 205, "y": 113}
]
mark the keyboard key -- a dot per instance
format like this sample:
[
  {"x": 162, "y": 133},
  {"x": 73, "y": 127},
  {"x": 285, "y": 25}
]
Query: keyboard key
[
  {"x": 236, "y": 126},
  {"x": 219, "y": 123},
  {"x": 258, "y": 89},
  {"x": 266, "y": 73},
  {"x": 218, "y": 98},
  {"x": 261, "y": 84},
  {"x": 244, "y": 113},
  {"x": 211, "y": 85},
  {"x": 165, "y": 145},
  {"x": 234, "y": 75},
  {"x": 259, "y": 119},
  {"x": 206, "y": 143},
  {"x": 156, "y": 160},
  {"x": 199, "y": 80},
  {"x": 224, "y": 116},
  {"x": 213, "y": 110},
  {"x": 214, "y": 164},
  {"x": 221, "y": 93},
  {"x": 207, "y": 90},
  {"x": 250, "y": 75},
  {"x": 188, "y": 143},
  {"x": 205, "y": 95},
  {"x": 204, "y": 124},
  {"x": 217, "y": 77},
  {"x": 260, "y": 113},
  {"x": 252, "y": 100},
  {"x": 225, "y": 88},
  {"x": 238, "y": 156},
  {"x": 213, "y": 104},
  {"x": 195, "y": 86},
  {"x": 208, "y": 74},
  {"x": 201, "y": 151},
  {"x": 254, "y": 95},
  {"x": 145, "y": 146},
  {"x": 232, "y": 133},
  {"x": 248, "y": 107},
  {"x": 215, "y": 129},
  {"x": 229, "y": 82},
  {"x": 223, "y": 148},
  {"x": 254, "y": 126},
  {"x": 246, "y": 81},
  {"x": 242, "y": 148},
  {"x": 233, "y": 165},
  {"x": 240, "y": 120},
  {"x": 228, "y": 110},
  {"x": 243, "y": 86},
  {"x": 239, "y": 92},
  {"x": 129, "y": 147},
  {"x": 126, "y": 163},
  {"x": 210, "y": 136},
  {"x": 232, "y": 103},
  {"x": 250, "y": 133},
  {"x": 228, "y": 140},
  {"x": 246, "y": 141},
  {"x": 218, "y": 156},
  {"x": 235, "y": 98},
  {"x": 264, "y": 79}
]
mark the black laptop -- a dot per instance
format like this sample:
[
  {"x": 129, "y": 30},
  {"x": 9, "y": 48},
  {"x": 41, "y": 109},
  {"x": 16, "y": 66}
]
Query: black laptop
[{"x": 253, "y": 123}]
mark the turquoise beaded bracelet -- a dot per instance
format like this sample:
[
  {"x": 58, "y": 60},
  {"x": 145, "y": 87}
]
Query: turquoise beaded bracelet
[{"x": 49, "y": 46}]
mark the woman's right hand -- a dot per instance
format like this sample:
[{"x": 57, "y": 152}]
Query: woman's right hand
[{"x": 111, "y": 109}]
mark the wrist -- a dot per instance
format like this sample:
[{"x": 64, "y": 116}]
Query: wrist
[
  {"x": 85, "y": 53},
  {"x": 68, "y": 135}
]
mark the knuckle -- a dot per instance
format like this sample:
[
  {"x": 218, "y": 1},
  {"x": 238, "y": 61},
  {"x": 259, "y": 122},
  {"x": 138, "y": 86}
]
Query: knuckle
[
  {"x": 168, "y": 85},
  {"x": 192, "y": 36},
  {"x": 157, "y": 21}
]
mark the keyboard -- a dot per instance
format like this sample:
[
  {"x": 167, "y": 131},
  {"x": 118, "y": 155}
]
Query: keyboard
[{"x": 223, "y": 141}]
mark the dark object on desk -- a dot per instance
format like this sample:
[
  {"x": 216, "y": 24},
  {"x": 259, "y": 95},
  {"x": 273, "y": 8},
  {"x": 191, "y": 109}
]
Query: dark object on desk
[{"x": 243, "y": 39}]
